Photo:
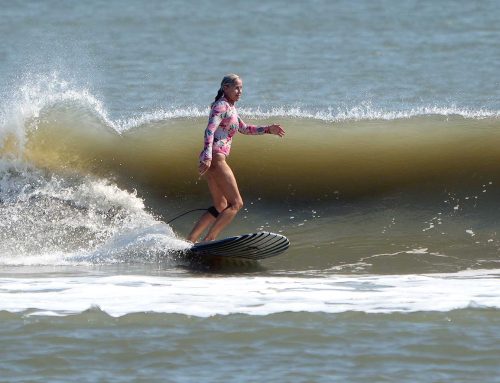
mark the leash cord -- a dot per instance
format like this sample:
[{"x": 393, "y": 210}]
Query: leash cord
[{"x": 183, "y": 214}]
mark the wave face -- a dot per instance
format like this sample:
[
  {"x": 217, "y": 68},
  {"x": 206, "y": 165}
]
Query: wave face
[
  {"x": 351, "y": 188},
  {"x": 355, "y": 152}
]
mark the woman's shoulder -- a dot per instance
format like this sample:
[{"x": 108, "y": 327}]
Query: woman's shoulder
[{"x": 221, "y": 105}]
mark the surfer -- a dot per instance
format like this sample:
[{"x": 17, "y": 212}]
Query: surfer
[{"x": 223, "y": 123}]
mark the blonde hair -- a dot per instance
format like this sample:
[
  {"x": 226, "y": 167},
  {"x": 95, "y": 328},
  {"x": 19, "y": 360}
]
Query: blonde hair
[{"x": 228, "y": 79}]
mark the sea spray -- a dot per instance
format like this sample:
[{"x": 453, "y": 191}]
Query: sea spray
[{"x": 72, "y": 219}]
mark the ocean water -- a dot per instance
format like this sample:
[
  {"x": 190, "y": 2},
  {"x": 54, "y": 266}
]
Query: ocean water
[{"x": 386, "y": 184}]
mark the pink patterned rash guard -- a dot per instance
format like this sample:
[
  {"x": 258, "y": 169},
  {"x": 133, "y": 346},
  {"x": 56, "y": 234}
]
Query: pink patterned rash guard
[{"x": 222, "y": 126}]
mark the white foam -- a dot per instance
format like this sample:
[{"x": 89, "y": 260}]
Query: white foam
[
  {"x": 254, "y": 295},
  {"x": 52, "y": 220},
  {"x": 364, "y": 111}
]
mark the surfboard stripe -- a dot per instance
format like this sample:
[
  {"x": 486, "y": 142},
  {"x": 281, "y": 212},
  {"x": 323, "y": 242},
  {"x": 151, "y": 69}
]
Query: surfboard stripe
[
  {"x": 260, "y": 245},
  {"x": 228, "y": 244},
  {"x": 252, "y": 253},
  {"x": 265, "y": 248}
]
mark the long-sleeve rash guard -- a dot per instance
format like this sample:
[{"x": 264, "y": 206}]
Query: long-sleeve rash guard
[{"x": 222, "y": 126}]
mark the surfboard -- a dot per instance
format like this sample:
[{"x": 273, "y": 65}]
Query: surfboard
[{"x": 253, "y": 246}]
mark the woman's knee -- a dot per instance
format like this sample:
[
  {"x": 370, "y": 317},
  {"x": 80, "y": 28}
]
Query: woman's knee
[
  {"x": 237, "y": 204},
  {"x": 221, "y": 206}
]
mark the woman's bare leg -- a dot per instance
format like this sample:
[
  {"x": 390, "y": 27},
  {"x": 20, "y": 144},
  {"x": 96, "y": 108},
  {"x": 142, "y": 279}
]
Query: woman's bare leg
[
  {"x": 225, "y": 183},
  {"x": 205, "y": 221},
  {"x": 219, "y": 202}
]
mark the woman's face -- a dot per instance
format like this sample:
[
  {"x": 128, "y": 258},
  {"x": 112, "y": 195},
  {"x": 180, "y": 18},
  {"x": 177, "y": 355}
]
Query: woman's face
[{"x": 233, "y": 91}]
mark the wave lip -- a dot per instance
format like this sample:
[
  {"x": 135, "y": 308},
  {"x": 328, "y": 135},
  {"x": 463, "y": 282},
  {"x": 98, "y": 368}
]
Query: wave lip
[
  {"x": 204, "y": 297},
  {"x": 362, "y": 112},
  {"x": 366, "y": 111}
]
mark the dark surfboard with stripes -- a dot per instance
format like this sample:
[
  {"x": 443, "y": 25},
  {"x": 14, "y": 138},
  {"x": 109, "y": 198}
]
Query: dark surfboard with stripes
[{"x": 253, "y": 246}]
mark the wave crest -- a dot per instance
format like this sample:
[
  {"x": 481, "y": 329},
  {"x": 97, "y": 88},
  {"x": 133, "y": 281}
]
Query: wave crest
[{"x": 42, "y": 93}]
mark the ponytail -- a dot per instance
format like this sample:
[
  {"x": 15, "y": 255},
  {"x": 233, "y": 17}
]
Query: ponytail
[{"x": 220, "y": 93}]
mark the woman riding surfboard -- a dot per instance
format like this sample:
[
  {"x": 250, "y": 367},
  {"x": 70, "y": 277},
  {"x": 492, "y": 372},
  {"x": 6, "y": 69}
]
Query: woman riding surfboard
[{"x": 223, "y": 123}]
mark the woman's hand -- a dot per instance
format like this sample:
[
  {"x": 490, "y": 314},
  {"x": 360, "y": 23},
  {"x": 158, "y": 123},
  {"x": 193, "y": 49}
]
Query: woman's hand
[
  {"x": 276, "y": 129},
  {"x": 204, "y": 166}
]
